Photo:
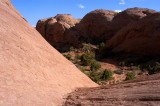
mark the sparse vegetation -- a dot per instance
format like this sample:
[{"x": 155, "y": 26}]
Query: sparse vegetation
[
  {"x": 87, "y": 47},
  {"x": 130, "y": 76},
  {"x": 87, "y": 58},
  {"x": 78, "y": 56},
  {"x": 94, "y": 76},
  {"x": 83, "y": 69},
  {"x": 154, "y": 69},
  {"x": 94, "y": 66},
  {"x": 68, "y": 56}
]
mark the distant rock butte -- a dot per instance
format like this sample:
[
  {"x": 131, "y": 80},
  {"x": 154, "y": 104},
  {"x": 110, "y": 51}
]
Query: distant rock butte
[{"x": 32, "y": 72}]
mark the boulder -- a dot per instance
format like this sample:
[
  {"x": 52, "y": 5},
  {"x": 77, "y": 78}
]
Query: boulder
[
  {"x": 41, "y": 26},
  {"x": 66, "y": 18},
  {"x": 128, "y": 16},
  {"x": 58, "y": 30},
  {"x": 95, "y": 26},
  {"x": 32, "y": 72},
  {"x": 141, "y": 37}
]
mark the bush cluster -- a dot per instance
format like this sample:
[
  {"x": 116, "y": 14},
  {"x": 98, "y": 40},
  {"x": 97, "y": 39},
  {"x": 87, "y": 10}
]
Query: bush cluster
[
  {"x": 87, "y": 58},
  {"x": 94, "y": 66},
  {"x": 107, "y": 75},
  {"x": 130, "y": 76}
]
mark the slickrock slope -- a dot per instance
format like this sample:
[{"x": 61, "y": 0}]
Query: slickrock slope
[
  {"x": 143, "y": 93},
  {"x": 141, "y": 37},
  {"x": 32, "y": 73}
]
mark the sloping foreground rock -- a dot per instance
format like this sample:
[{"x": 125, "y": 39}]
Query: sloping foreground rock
[
  {"x": 142, "y": 93},
  {"x": 32, "y": 73},
  {"x": 141, "y": 37}
]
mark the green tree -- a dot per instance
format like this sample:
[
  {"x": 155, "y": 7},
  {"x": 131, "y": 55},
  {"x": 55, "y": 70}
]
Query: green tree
[
  {"x": 130, "y": 76},
  {"x": 87, "y": 58},
  {"x": 95, "y": 65},
  {"x": 107, "y": 75}
]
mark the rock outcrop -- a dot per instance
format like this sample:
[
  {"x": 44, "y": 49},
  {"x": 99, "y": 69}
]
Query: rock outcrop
[
  {"x": 103, "y": 25},
  {"x": 142, "y": 93},
  {"x": 32, "y": 72},
  {"x": 141, "y": 37},
  {"x": 95, "y": 26},
  {"x": 128, "y": 16},
  {"x": 58, "y": 30}
]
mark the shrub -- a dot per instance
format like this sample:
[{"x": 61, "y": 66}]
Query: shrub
[
  {"x": 153, "y": 69},
  {"x": 83, "y": 69},
  {"x": 68, "y": 56},
  {"x": 87, "y": 47},
  {"x": 87, "y": 58},
  {"x": 78, "y": 56},
  {"x": 94, "y": 66},
  {"x": 107, "y": 75},
  {"x": 94, "y": 76},
  {"x": 130, "y": 76}
]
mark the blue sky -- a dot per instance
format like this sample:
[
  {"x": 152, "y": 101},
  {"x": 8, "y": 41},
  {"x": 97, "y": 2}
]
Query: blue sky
[{"x": 33, "y": 10}]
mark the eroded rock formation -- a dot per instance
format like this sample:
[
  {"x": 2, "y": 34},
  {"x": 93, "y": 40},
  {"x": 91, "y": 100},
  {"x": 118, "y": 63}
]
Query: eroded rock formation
[
  {"x": 128, "y": 16},
  {"x": 96, "y": 25},
  {"x": 141, "y": 37},
  {"x": 102, "y": 25},
  {"x": 58, "y": 30}
]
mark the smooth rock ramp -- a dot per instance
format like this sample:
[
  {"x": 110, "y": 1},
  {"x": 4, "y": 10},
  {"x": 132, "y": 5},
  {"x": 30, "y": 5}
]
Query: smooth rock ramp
[{"x": 32, "y": 73}]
